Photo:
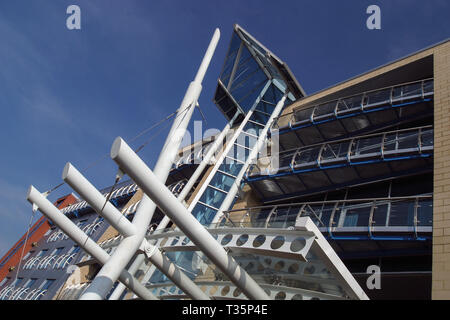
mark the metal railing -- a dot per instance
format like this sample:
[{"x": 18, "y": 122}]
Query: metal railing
[
  {"x": 365, "y": 101},
  {"x": 370, "y": 214},
  {"x": 387, "y": 145},
  {"x": 20, "y": 293}
]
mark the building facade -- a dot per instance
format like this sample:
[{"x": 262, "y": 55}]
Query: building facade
[{"x": 309, "y": 194}]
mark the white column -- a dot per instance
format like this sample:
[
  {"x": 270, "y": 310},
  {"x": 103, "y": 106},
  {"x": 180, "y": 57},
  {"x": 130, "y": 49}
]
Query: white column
[
  {"x": 90, "y": 246},
  {"x": 116, "y": 219},
  {"x": 131, "y": 164}
]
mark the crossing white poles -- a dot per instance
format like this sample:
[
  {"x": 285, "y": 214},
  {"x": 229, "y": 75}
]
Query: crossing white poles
[
  {"x": 198, "y": 171},
  {"x": 116, "y": 219},
  {"x": 125, "y": 251},
  {"x": 131, "y": 164},
  {"x": 226, "y": 203},
  {"x": 83, "y": 240}
]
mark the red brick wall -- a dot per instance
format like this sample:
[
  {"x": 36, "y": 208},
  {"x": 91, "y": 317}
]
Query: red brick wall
[{"x": 13, "y": 260}]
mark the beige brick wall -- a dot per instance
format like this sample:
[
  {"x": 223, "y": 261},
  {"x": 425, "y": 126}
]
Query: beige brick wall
[
  {"x": 441, "y": 205},
  {"x": 354, "y": 81}
]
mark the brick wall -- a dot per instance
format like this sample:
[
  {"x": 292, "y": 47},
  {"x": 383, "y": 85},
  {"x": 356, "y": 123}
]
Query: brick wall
[{"x": 441, "y": 211}]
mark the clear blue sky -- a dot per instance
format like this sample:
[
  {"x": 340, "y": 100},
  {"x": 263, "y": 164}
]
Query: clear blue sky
[{"x": 65, "y": 95}]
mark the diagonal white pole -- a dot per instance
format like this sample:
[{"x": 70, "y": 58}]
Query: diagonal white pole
[
  {"x": 116, "y": 219},
  {"x": 130, "y": 163},
  {"x": 83, "y": 240},
  {"x": 199, "y": 170}
]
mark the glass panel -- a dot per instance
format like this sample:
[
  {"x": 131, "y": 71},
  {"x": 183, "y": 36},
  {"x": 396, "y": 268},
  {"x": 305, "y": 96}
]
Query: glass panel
[
  {"x": 247, "y": 100},
  {"x": 246, "y": 140},
  {"x": 285, "y": 159},
  {"x": 349, "y": 103},
  {"x": 357, "y": 217},
  {"x": 231, "y": 56},
  {"x": 222, "y": 181},
  {"x": 313, "y": 212},
  {"x": 425, "y": 213},
  {"x": 253, "y": 128},
  {"x": 278, "y": 217},
  {"x": 407, "y": 90},
  {"x": 408, "y": 140},
  {"x": 367, "y": 145},
  {"x": 378, "y": 97},
  {"x": 213, "y": 197},
  {"x": 427, "y": 138},
  {"x": 303, "y": 114},
  {"x": 238, "y": 152},
  {"x": 203, "y": 213},
  {"x": 265, "y": 107},
  {"x": 260, "y": 117},
  {"x": 231, "y": 167},
  {"x": 308, "y": 155},
  {"x": 428, "y": 86},
  {"x": 261, "y": 217},
  {"x": 402, "y": 213},
  {"x": 325, "y": 109},
  {"x": 337, "y": 150},
  {"x": 326, "y": 215}
]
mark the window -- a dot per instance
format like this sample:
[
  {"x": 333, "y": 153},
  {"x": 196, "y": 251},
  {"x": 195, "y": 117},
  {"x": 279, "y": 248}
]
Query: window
[
  {"x": 29, "y": 283},
  {"x": 47, "y": 284},
  {"x": 16, "y": 282},
  {"x": 28, "y": 254},
  {"x": 57, "y": 251},
  {"x": 74, "y": 249},
  {"x": 82, "y": 223},
  {"x": 43, "y": 253}
]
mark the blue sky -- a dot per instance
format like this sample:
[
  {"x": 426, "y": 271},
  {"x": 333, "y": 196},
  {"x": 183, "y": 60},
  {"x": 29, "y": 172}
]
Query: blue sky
[{"x": 65, "y": 95}]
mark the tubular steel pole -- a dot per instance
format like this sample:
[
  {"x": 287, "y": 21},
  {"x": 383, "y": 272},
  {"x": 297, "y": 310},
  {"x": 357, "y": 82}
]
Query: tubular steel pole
[
  {"x": 77, "y": 235},
  {"x": 198, "y": 171},
  {"x": 130, "y": 163},
  {"x": 96, "y": 200}
]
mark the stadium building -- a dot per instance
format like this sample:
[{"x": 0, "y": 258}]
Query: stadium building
[{"x": 300, "y": 197}]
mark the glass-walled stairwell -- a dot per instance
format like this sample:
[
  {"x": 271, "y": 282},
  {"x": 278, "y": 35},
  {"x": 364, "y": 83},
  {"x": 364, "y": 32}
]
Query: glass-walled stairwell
[{"x": 250, "y": 85}]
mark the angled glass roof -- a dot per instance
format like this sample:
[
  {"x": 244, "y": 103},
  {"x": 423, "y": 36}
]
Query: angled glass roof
[{"x": 247, "y": 68}]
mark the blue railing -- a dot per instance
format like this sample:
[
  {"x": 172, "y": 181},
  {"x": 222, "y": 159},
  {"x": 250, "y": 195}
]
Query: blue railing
[
  {"x": 370, "y": 216},
  {"x": 370, "y": 101},
  {"x": 387, "y": 146}
]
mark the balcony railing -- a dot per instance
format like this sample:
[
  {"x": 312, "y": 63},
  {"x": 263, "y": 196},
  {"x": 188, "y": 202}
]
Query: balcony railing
[
  {"x": 399, "y": 214},
  {"x": 362, "y": 149},
  {"x": 20, "y": 293},
  {"x": 363, "y": 102}
]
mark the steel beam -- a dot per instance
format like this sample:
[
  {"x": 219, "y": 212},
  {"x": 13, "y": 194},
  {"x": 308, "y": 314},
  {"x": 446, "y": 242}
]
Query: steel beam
[
  {"x": 89, "y": 245},
  {"x": 96, "y": 200},
  {"x": 131, "y": 164}
]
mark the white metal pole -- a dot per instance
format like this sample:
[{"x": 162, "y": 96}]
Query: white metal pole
[
  {"x": 96, "y": 200},
  {"x": 128, "y": 247},
  {"x": 226, "y": 203},
  {"x": 130, "y": 163},
  {"x": 198, "y": 171},
  {"x": 77, "y": 235}
]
